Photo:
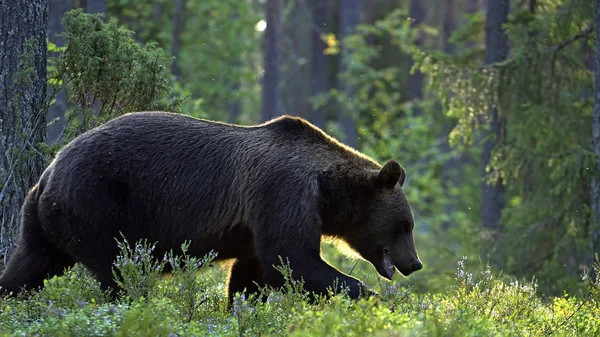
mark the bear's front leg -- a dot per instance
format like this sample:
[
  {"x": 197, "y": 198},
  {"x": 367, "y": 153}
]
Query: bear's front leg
[
  {"x": 290, "y": 228},
  {"x": 318, "y": 276},
  {"x": 245, "y": 277}
]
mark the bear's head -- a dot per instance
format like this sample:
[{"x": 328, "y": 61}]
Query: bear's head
[{"x": 382, "y": 222}]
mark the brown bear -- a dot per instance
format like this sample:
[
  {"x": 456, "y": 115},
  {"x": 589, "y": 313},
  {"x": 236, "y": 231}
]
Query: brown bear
[{"x": 249, "y": 193}]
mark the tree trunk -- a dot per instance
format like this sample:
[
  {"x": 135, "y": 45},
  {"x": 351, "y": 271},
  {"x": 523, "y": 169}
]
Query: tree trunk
[
  {"x": 318, "y": 67},
  {"x": 56, "y": 111},
  {"x": 532, "y": 5},
  {"x": 496, "y": 41},
  {"x": 296, "y": 36},
  {"x": 595, "y": 221},
  {"x": 177, "y": 29},
  {"x": 349, "y": 19},
  {"x": 156, "y": 9},
  {"x": 271, "y": 96},
  {"x": 96, "y": 6},
  {"x": 370, "y": 17},
  {"x": 472, "y": 6},
  {"x": 415, "y": 80},
  {"x": 451, "y": 169},
  {"x": 449, "y": 26},
  {"x": 23, "y": 25}
]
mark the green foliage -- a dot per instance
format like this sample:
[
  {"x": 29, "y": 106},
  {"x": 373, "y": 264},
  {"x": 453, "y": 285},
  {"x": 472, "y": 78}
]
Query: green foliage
[
  {"x": 74, "y": 288},
  {"x": 185, "y": 287},
  {"x": 219, "y": 51},
  {"x": 389, "y": 126},
  {"x": 148, "y": 320},
  {"x": 543, "y": 93},
  {"x": 106, "y": 73},
  {"x": 478, "y": 304},
  {"x": 219, "y": 56},
  {"x": 136, "y": 270},
  {"x": 146, "y": 18}
]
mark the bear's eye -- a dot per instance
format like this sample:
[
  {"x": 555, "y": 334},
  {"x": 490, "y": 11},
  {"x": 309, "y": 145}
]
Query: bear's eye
[
  {"x": 406, "y": 226},
  {"x": 402, "y": 228}
]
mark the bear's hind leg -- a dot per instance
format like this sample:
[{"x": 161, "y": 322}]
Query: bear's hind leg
[
  {"x": 98, "y": 253},
  {"x": 35, "y": 257},
  {"x": 34, "y": 260},
  {"x": 104, "y": 276},
  {"x": 244, "y": 276}
]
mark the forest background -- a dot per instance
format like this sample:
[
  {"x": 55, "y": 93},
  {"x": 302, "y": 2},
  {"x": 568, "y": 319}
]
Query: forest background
[{"x": 491, "y": 106}]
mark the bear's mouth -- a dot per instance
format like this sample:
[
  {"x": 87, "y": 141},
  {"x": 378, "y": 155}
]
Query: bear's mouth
[{"x": 388, "y": 266}]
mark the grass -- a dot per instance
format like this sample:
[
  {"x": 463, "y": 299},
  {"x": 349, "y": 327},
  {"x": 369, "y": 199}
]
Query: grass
[{"x": 191, "y": 302}]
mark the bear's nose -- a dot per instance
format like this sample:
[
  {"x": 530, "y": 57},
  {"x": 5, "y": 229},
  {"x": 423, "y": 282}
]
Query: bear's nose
[{"x": 417, "y": 266}]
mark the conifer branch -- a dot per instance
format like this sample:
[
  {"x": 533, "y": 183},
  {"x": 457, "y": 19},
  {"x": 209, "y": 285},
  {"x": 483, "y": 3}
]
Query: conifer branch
[{"x": 583, "y": 34}]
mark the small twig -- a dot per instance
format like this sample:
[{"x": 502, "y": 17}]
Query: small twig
[
  {"x": 4, "y": 186},
  {"x": 565, "y": 43},
  {"x": 351, "y": 270},
  {"x": 28, "y": 141},
  {"x": 574, "y": 38}
]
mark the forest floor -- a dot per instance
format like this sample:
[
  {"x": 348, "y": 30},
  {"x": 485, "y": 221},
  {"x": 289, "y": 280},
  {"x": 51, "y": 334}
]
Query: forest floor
[{"x": 191, "y": 302}]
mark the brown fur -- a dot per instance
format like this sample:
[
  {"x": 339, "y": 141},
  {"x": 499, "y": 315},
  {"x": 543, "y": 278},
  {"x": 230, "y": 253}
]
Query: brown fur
[{"x": 249, "y": 193}]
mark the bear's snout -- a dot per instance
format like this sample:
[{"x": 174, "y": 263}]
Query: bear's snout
[
  {"x": 409, "y": 265},
  {"x": 417, "y": 266}
]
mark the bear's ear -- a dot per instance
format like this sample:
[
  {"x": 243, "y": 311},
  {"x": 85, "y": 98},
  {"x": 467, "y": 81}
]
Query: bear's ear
[{"x": 390, "y": 174}]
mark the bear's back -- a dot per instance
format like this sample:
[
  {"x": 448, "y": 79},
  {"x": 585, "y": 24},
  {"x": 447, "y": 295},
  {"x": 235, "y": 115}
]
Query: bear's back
[
  {"x": 145, "y": 139},
  {"x": 168, "y": 169},
  {"x": 315, "y": 143}
]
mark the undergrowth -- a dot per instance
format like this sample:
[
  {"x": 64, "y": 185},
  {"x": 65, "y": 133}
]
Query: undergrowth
[{"x": 190, "y": 301}]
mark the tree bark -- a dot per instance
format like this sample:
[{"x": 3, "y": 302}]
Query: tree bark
[
  {"x": 318, "y": 67},
  {"x": 493, "y": 196},
  {"x": 415, "y": 80},
  {"x": 451, "y": 169},
  {"x": 472, "y": 6},
  {"x": 349, "y": 19},
  {"x": 449, "y": 26},
  {"x": 369, "y": 18},
  {"x": 595, "y": 221},
  {"x": 96, "y": 6},
  {"x": 177, "y": 29},
  {"x": 156, "y": 9},
  {"x": 23, "y": 25},
  {"x": 271, "y": 95},
  {"x": 56, "y": 111},
  {"x": 296, "y": 36}
]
